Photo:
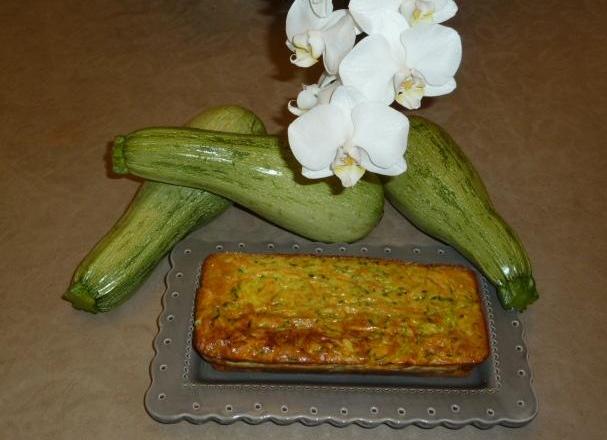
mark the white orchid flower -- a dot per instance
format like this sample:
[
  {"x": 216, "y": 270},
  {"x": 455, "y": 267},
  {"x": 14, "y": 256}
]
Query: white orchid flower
[
  {"x": 311, "y": 36},
  {"x": 311, "y": 95},
  {"x": 420, "y": 62},
  {"x": 428, "y": 11},
  {"x": 348, "y": 136}
]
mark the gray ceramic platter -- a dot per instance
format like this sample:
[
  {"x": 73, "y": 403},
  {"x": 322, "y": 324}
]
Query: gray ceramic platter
[{"x": 185, "y": 387}]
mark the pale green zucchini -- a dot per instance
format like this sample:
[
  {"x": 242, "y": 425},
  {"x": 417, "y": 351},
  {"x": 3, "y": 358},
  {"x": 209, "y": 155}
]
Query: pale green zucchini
[
  {"x": 444, "y": 196},
  {"x": 257, "y": 172},
  {"x": 159, "y": 216}
]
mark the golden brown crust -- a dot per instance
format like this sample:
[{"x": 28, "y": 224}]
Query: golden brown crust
[{"x": 340, "y": 314}]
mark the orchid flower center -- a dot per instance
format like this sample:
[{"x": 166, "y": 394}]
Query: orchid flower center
[
  {"x": 423, "y": 12},
  {"x": 347, "y": 167},
  {"x": 308, "y": 48},
  {"x": 411, "y": 91}
]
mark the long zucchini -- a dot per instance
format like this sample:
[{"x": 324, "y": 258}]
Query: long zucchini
[
  {"x": 443, "y": 195},
  {"x": 256, "y": 172},
  {"x": 158, "y": 217}
]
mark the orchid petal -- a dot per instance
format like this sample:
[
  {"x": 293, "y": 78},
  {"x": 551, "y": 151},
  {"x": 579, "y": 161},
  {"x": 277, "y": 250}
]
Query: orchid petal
[
  {"x": 371, "y": 15},
  {"x": 444, "y": 89},
  {"x": 316, "y": 135},
  {"x": 376, "y": 18},
  {"x": 433, "y": 50},
  {"x": 398, "y": 168},
  {"x": 334, "y": 18},
  {"x": 381, "y": 131},
  {"x": 322, "y": 8},
  {"x": 316, "y": 174},
  {"x": 301, "y": 18},
  {"x": 445, "y": 10},
  {"x": 370, "y": 68},
  {"x": 339, "y": 40},
  {"x": 346, "y": 98}
]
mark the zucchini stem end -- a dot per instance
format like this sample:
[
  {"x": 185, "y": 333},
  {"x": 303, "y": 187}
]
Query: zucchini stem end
[
  {"x": 80, "y": 298},
  {"x": 118, "y": 160}
]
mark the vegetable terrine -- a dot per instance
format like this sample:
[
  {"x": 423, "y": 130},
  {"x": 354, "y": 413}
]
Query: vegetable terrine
[{"x": 338, "y": 314}]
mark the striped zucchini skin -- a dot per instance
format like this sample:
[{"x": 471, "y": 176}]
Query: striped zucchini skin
[
  {"x": 257, "y": 172},
  {"x": 443, "y": 195},
  {"x": 159, "y": 216}
]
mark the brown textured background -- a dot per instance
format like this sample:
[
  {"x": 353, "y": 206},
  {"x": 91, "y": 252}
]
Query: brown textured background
[{"x": 529, "y": 111}]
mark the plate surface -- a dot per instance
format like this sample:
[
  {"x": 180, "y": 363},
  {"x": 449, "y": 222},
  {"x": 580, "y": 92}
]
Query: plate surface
[{"x": 185, "y": 387}]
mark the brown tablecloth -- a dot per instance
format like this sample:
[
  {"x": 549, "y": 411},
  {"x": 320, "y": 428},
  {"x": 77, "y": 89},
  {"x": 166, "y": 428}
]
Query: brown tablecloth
[{"x": 529, "y": 111}]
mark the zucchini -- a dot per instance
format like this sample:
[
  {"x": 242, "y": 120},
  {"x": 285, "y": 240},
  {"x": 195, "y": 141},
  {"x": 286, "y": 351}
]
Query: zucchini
[
  {"x": 159, "y": 216},
  {"x": 257, "y": 172},
  {"x": 443, "y": 195}
]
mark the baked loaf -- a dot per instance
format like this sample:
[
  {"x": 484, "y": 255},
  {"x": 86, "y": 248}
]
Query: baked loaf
[{"x": 338, "y": 314}]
